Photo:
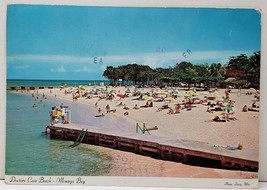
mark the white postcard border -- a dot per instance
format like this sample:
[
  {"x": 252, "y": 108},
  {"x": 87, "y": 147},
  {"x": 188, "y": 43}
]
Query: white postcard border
[
  {"x": 134, "y": 181},
  {"x": 257, "y": 4}
]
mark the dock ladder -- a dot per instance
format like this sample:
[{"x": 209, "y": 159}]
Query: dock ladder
[
  {"x": 144, "y": 128},
  {"x": 79, "y": 139}
]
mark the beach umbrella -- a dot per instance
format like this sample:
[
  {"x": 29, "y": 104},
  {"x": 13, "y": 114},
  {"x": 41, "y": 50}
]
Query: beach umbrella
[
  {"x": 121, "y": 96},
  {"x": 225, "y": 100},
  {"x": 228, "y": 108},
  {"x": 128, "y": 91},
  {"x": 230, "y": 79},
  {"x": 252, "y": 89},
  {"x": 176, "y": 92},
  {"x": 145, "y": 97},
  {"x": 205, "y": 93},
  {"x": 192, "y": 93},
  {"x": 213, "y": 95},
  {"x": 163, "y": 92},
  {"x": 171, "y": 99}
]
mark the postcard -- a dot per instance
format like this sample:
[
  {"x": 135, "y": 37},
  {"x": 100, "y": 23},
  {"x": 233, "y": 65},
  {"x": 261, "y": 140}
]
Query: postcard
[{"x": 133, "y": 96}]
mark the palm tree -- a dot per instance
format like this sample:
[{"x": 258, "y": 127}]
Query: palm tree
[
  {"x": 253, "y": 69},
  {"x": 216, "y": 70}
]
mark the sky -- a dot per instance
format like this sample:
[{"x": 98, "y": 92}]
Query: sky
[{"x": 78, "y": 43}]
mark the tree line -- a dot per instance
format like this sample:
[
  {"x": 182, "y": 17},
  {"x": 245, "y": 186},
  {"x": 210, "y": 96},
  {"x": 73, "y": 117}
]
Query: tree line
[{"x": 190, "y": 74}]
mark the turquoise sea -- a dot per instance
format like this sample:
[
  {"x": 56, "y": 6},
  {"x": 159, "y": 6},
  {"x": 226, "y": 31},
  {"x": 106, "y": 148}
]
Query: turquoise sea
[
  {"x": 26, "y": 82},
  {"x": 30, "y": 152}
]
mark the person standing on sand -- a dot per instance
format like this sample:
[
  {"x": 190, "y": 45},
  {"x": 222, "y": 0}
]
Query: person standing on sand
[{"x": 108, "y": 108}]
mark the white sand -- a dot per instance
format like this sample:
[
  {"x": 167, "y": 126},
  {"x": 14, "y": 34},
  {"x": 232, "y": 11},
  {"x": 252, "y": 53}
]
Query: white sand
[{"x": 191, "y": 125}]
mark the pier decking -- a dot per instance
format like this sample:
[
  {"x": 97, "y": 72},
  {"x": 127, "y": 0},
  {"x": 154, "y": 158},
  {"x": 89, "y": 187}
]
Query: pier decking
[{"x": 185, "y": 151}]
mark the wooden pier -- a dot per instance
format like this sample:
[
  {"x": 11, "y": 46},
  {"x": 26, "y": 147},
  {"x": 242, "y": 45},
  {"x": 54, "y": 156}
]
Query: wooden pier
[
  {"x": 185, "y": 151},
  {"x": 27, "y": 88}
]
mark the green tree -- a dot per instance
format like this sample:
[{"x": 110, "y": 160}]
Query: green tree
[
  {"x": 239, "y": 62},
  {"x": 253, "y": 69},
  {"x": 112, "y": 74},
  {"x": 190, "y": 76}
]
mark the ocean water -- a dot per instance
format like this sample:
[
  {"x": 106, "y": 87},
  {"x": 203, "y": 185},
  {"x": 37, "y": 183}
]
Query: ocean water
[
  {"x": 19, "y": 82},
  {"x": 30, "y": 152}
]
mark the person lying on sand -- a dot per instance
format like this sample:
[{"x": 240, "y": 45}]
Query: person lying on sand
[
  {"x": 228, "y": 118},
  {"x": 125, "y": 107},
  {"x": 218, "y": 119},
  {"x": 148, "y": 104},
  {"x": 232, "y": 118},
  {"x": 112, "y": 111},
  {"x": 101, "y": 115},
  {"x": 161, "y": 99},
  {"x": 217, "y": 109},
  {"x": 209, "y": 110},
  {"x": 252, "y": 109},
  {"x": 189, "y": 106},
  {"x": 164, "y": 106},
  {"x": 239, "y": 147},
  {"x": 209, "y": 104},
  {"x": 139, "y": 98},
  {"x": 171, "y": 111},
  {"x": 126, "y": 113},
  {"x": 135, "y": 107},
  {"x": 120, "y": 104}
]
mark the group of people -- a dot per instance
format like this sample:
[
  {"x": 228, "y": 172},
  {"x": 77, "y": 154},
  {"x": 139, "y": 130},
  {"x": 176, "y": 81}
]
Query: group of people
[
  {"x": 252, "y": 108},
  {"x": 57, "y": 114},
  {"x": 37, "y": 97}
]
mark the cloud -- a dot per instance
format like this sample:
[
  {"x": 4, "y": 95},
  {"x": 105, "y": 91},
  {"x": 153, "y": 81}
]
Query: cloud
[
  {"x": 77, "y": 70},
  {"x": 88, "y": 69},
  {"x": 22, "y": 67},
  {"x": 154, "y": 60},
  {"x": 49, "y": 58},
  {"x": 60, "y": 69}
]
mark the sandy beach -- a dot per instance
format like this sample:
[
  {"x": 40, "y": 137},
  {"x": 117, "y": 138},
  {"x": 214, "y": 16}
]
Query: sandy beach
[{"x": 192, "y": 123}]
